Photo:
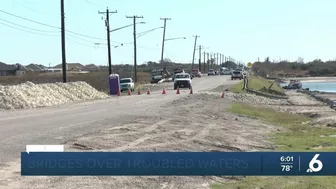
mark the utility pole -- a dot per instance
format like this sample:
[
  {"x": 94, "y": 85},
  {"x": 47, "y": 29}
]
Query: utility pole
[
  {"x": 220, "y": 60},
  {"x": 211, "y": 60},
  {"x": 64, "y": 64},
  {"x": 164, "y": 38},
  {"x": 204, "y": 61},
  {"x": 193, "y": 60},
  {"x": 199, "y": 58},
  {"x": 208, "y": 61},
  {"x": 135, "y": 47},
  {"x": 107, "y": 24},
  {"x": 217, "y": 59}
]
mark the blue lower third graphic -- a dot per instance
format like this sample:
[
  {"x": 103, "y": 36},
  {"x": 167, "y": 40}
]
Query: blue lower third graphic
[{"x": 176, "y": 163}]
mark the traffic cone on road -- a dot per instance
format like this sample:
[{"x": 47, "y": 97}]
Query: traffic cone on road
[
  {"x": 148, "y": 91},
  {"x": 222, "y": 96},
  {"x": 129, "y": 91},
  {"x": 178, "y": 91},
  {"x": 191, "y": 91},
  {"x": 139, "y": 91},
  {"x": 164, "y": 91}
]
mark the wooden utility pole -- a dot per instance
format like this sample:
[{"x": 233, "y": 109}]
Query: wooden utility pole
[
  {"x": 164, "y": 38},
  {"x": 211, "y": 60},
  {"x": 193, "y": 60},
  {"x": 208, "y": 61},
  {"x": 199, "y": 58},
  {"x": 107, "y": 24},
  {"x": 220, "y": 59},
  {"x": 64, "y": 64},
  {"x": 135, "y": 46},
  {"x": 204, "y": 61}
]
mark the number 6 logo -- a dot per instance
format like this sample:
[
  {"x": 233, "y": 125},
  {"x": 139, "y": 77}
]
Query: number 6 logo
[{"x": 313, "y": 162}]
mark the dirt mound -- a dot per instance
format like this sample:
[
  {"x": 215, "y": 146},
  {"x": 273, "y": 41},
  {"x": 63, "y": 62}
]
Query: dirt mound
[{"x": 30, "y": 95}]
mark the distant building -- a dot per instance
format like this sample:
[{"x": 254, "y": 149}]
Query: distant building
[
  {"x": 12, "y": 69},
  {"x": 7, "y": 70},
  {"x": 21, "y": 69},
  {"x": 71, "y": 67},
  {"x": 91, "y": 67},
  {"x": 36, "y": 68}
]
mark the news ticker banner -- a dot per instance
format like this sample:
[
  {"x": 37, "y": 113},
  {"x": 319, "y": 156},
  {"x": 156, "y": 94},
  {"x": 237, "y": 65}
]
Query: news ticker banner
[{"x": 177, "y": 163}]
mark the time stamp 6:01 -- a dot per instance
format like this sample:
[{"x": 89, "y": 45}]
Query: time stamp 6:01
[{"x": 287, "y": 163}]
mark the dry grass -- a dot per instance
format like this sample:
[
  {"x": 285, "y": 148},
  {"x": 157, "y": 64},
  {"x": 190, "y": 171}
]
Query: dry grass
[{"x": 98, "y": 80}]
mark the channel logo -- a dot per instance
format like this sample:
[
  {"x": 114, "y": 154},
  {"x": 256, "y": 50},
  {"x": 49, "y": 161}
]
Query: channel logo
[{"x": 313, "y": 162}]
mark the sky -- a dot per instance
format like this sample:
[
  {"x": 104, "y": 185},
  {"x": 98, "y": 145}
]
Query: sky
[{"x": 243, "y": 29}]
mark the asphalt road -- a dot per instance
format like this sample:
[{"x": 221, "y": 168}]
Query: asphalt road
[{"x": 56, "y": 125}]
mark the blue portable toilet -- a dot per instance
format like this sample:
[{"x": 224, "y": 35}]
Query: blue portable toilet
[{"x": 114, "y": 84}]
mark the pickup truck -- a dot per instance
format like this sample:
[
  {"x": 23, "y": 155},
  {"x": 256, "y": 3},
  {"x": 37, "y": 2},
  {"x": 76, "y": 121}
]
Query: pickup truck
[
  {"x": 182, "y": 80},
  {"x": 126, "y": 83}
]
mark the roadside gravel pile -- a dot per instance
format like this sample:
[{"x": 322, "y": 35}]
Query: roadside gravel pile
[
  {"x": 251, "y": 99},
  {"x": 30, "y": 95}
]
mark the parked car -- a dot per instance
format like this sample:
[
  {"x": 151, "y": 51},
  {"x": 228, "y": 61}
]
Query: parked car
[
  {"x": 237, "y": 74},
  {"x": 126, "y": 83},
  {"x": 226, "y": 72},
  {"x": 196, "y": 73},
  {"x": 211, "y": 72}
]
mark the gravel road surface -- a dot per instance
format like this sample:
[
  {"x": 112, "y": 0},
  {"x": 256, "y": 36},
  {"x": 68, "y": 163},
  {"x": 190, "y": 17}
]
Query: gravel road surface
[{"x": 78, "y": 125}]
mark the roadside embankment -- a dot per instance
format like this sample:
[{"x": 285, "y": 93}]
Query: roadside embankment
[
  {"x": 325, "y": 97},
  {"x": 260, "y": 86},
  {"x": 30, "y": 95},
  {"x": 302, "y": 123}
]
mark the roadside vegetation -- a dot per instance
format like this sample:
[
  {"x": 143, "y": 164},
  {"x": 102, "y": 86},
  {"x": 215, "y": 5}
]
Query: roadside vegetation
[
  {"x": 259, "y": 84},
  {"x": 297, "y": 136},
  {"x": 297, "y": 68}
]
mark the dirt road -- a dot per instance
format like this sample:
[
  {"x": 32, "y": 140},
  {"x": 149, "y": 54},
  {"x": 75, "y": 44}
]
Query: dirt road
[{"x": 148, "y": 122}]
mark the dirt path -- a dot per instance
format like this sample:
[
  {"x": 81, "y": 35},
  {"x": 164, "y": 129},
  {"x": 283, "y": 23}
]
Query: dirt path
[{"x": 195, "y": 123}]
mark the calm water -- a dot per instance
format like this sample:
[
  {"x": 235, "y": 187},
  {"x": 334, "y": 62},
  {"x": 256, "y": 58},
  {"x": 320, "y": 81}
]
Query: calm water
[{"x": 318, "y": 86}]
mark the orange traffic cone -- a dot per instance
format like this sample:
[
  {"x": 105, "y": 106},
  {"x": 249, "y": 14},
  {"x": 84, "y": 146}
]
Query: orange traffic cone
[
  {"x": 191, "y": 91},
  {"x": 178, "y": 91},
  {"x": 118, "y": 94},
  {"x": 222, "y": 96},
  {"x": 129, "y": 91},
  {"x": 139, "y": 92},
  {"x": 148, "y": 91},
  {"x": 163, "y": 91}
]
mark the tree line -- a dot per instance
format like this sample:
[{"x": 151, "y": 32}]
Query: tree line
[{"x": 297, "y": 68}]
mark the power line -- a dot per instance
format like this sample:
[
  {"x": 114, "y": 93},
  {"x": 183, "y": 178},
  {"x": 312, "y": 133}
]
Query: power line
[
  {"x": 22, "y": 5},
  {"x": 36, "y": 22},
  {"x": 28, "y": 28},
  {"x": 47, "y": 31},
  {"x": 93, "y": 4},
  {"x": 28, "y": 31},
  {"x": 47, "y": 25}
]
